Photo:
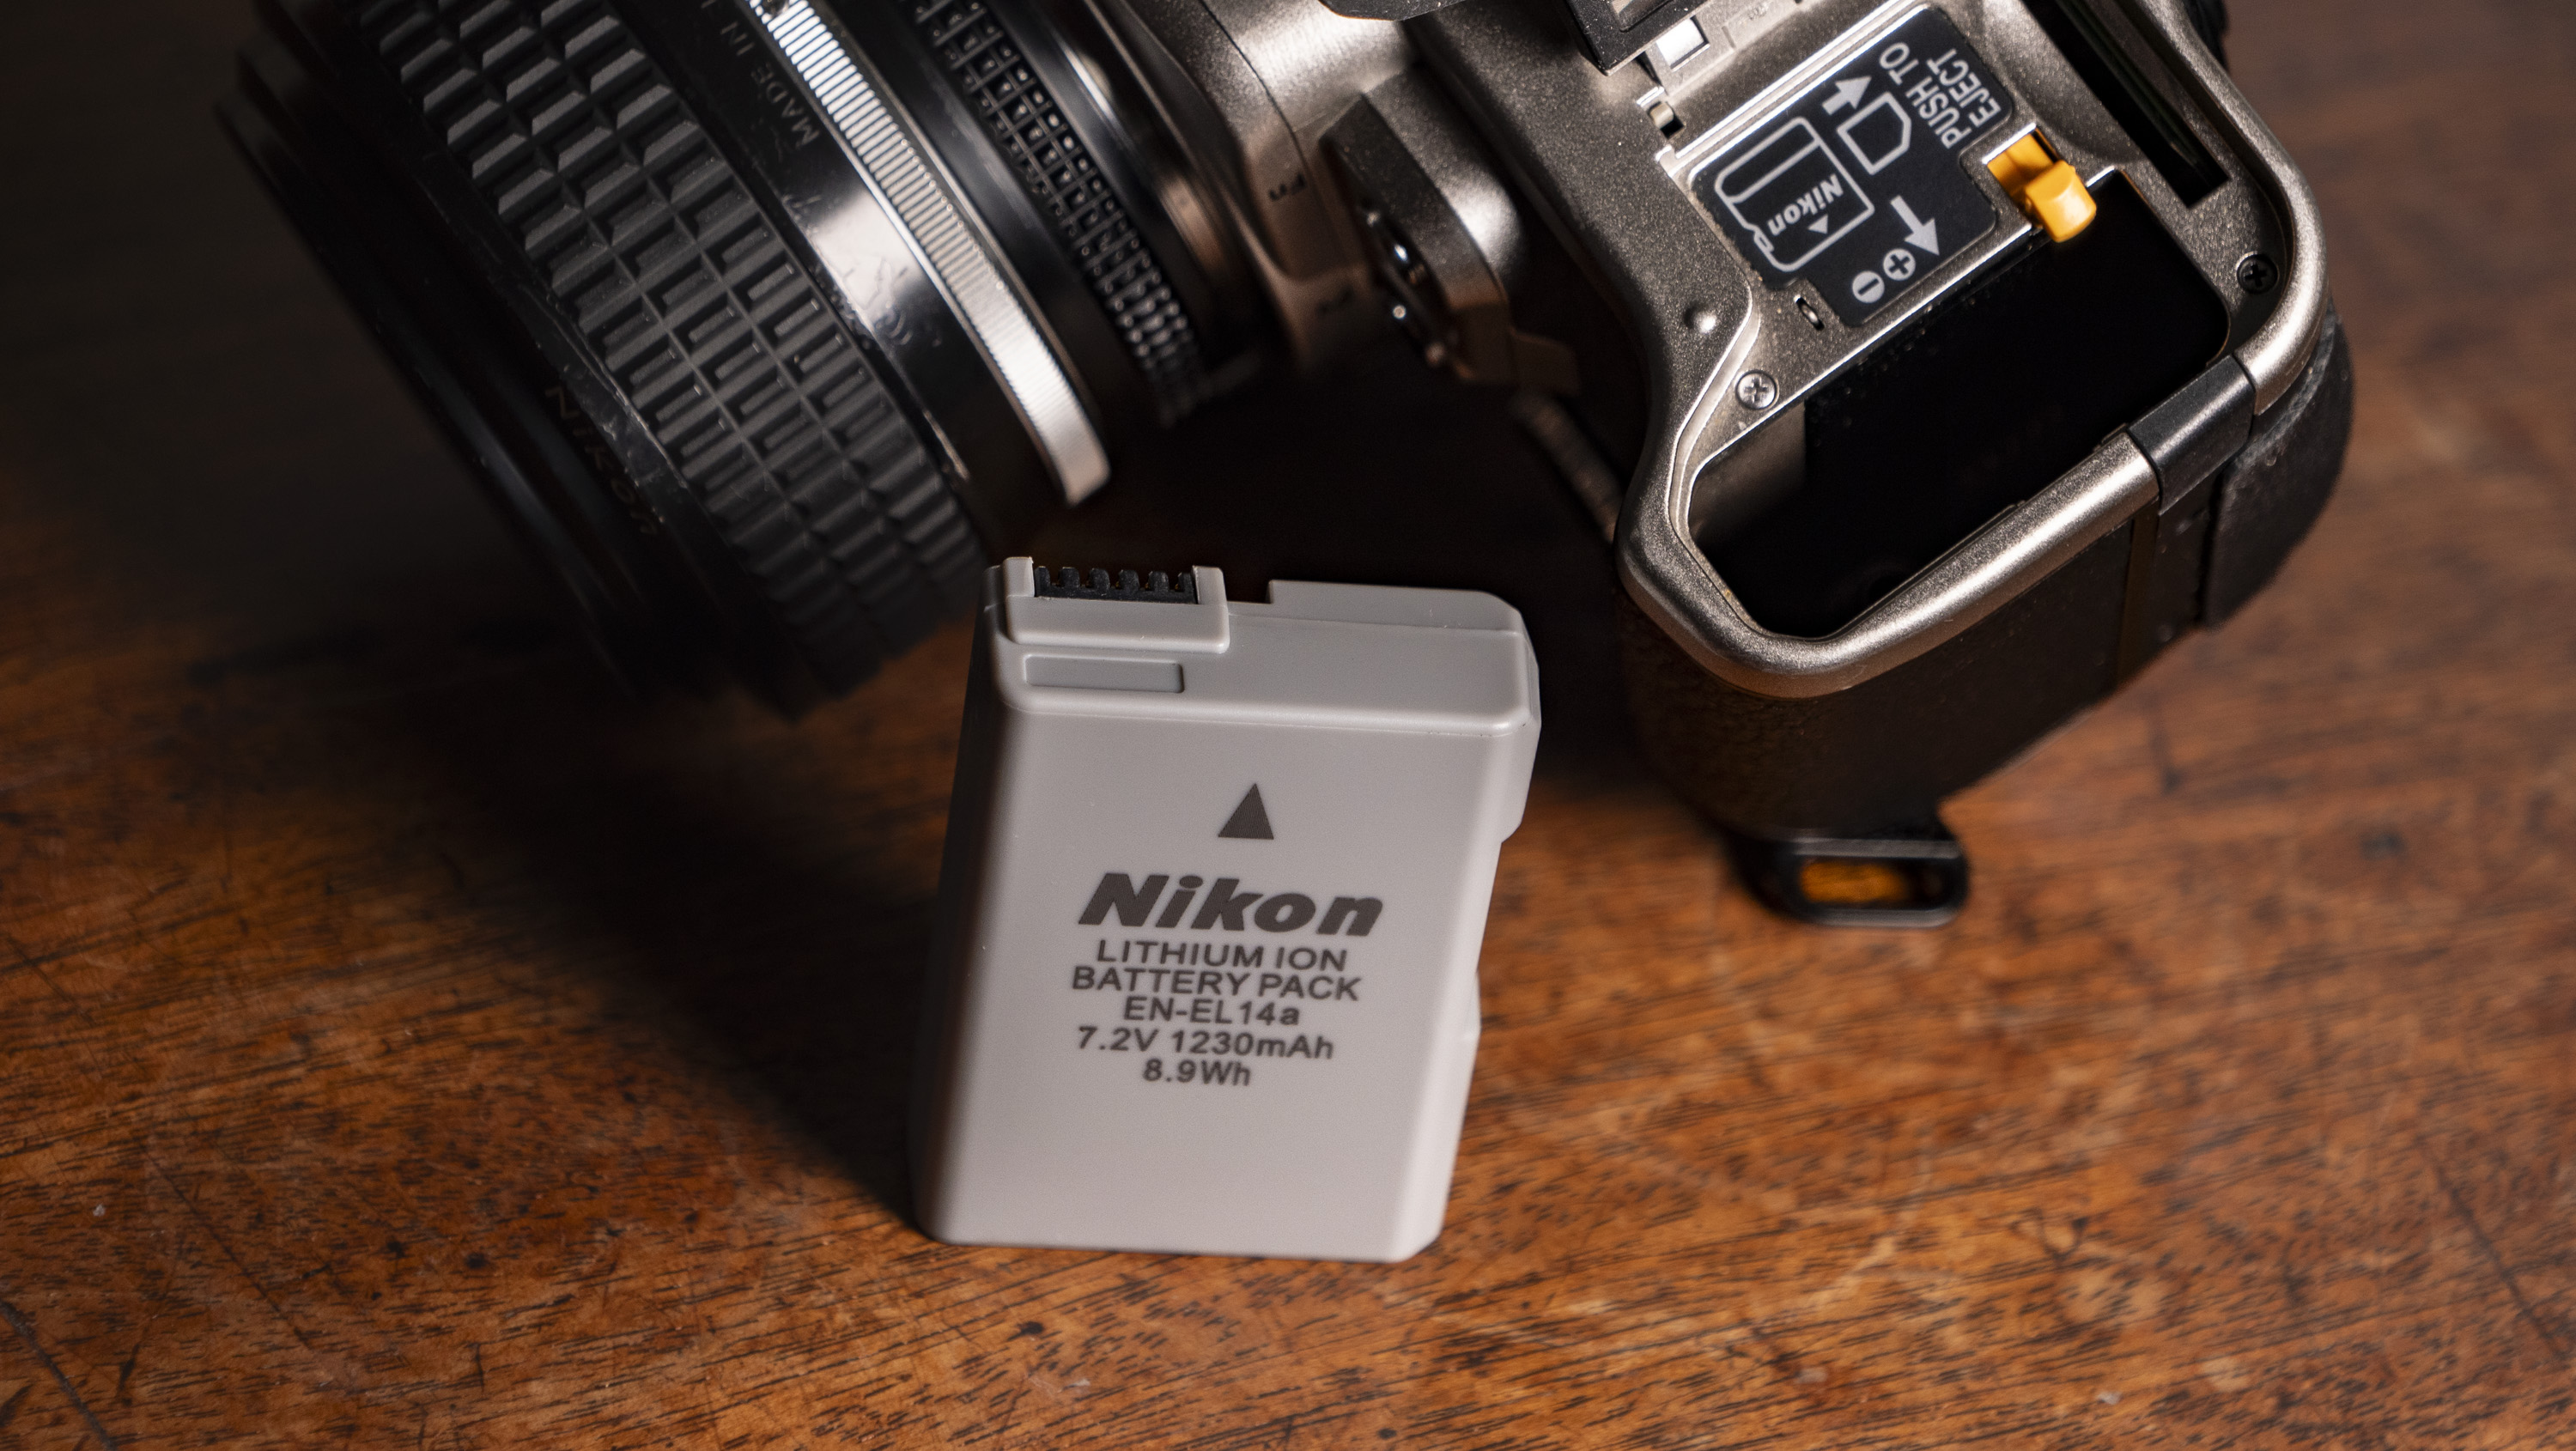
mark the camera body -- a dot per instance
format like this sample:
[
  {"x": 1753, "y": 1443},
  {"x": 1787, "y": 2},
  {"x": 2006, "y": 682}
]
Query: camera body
[{"x": 1956, "y": 354}]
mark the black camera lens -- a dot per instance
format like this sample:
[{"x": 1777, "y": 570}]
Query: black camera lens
[{"x": 765, "y": 321}]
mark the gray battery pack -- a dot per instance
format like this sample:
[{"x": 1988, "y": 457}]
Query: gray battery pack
[{"x": 1216, "y": 876}]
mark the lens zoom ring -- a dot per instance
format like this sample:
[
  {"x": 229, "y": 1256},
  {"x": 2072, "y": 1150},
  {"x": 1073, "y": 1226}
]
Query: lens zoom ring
[
  {"x": 1017, "y": 111},
  {"x": 727, "y": 350}
]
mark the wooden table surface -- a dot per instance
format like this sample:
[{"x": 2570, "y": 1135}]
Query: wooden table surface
[{"x": 409, "y": 1042}]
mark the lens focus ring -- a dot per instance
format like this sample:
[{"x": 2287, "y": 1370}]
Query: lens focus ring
[{"x": 731, "y": 356}]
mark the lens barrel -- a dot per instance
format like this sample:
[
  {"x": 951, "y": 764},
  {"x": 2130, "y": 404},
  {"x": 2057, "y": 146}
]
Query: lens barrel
[{"x": 764, "y": 325}]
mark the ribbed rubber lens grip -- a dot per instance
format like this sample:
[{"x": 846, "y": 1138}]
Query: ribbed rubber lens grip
[{"x": 654, "y": 251}]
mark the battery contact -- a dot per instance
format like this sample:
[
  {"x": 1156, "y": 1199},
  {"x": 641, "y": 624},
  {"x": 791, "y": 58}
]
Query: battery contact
[{"x": 1156, "y": 587}]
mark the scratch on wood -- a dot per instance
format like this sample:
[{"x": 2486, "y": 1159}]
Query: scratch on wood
[
  {"x": 2512, "y": 1286},
  {"x": 2168, "y": 775},
  {"x": 27, "y": 1335},
  {"x": 221, "y": 1243}
]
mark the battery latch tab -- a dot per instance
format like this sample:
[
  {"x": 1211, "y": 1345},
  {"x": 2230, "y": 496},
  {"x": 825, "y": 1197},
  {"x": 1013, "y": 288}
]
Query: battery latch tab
[{"x": 2047, "y": 188}]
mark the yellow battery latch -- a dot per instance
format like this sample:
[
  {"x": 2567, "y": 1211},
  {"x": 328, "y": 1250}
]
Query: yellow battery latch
[{"x": 2047, "y": 188}]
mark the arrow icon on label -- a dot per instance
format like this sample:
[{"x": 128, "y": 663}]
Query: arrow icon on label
[
  {"x": 1847, "y": 94},
  {"x": 1921, "y": 233}
]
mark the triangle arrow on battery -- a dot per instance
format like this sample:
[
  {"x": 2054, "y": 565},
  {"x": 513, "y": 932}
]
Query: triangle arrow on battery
[
  {"x": 1923, "y": 234},
  {"x": 1847, "y": 94},
  {"x": 1249, "y": 821}
]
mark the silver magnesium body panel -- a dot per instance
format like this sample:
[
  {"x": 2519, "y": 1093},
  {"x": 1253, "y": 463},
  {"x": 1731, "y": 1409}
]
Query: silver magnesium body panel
[
  {"x": 1617, "y": 192},
  {"x": 2019, "y": 548}
]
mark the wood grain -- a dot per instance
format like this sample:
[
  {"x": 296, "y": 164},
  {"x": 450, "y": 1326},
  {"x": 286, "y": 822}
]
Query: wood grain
[{"x": 406, "y": 1042}]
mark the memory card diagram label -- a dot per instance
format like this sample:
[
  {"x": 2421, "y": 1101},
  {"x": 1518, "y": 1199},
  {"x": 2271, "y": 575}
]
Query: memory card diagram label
[
  {"x": 1794, "y": 196},
  {"x": 1856, "y": 186}
]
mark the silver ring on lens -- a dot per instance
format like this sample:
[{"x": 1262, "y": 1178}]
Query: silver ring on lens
[{"x": 968, "y": 276}]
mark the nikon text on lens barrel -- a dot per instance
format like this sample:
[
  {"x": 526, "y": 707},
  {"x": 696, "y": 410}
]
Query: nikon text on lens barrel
[{"x": 769, "y": 322}]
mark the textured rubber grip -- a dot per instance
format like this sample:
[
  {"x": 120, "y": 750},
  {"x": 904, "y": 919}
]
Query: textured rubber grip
[
  {"x": 650, "y": 245},
  {"x": 2271, "y": 493}
]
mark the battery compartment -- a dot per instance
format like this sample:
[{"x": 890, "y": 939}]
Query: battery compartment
[{"x": 1972, "y": 408}]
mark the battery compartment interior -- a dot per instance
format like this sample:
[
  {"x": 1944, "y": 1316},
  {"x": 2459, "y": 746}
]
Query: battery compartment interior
[{"x": 1972, "y": 408}]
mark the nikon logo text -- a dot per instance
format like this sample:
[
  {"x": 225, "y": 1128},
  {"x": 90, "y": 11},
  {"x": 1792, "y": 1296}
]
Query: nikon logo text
[{"x": 1225, "y": 906}]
